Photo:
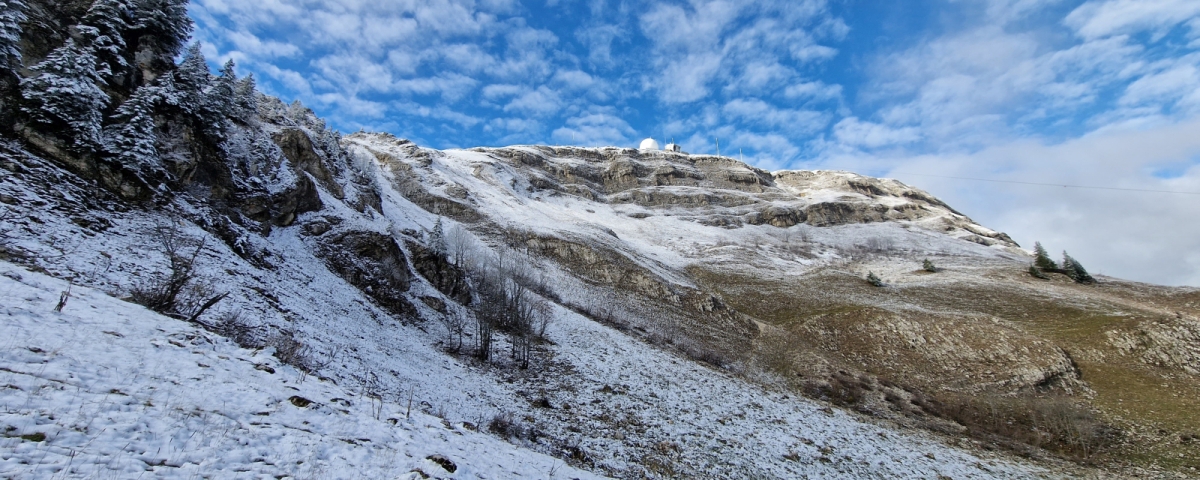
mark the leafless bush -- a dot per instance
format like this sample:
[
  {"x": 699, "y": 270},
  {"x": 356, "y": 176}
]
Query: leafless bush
[
  {"x": 371, "y": 388},
  {"x": 879, "y": 245},
  {"x": 162, "y": 293},
  {"x": 506, "y": 425},
  {"x": 456, "y": 327},
  {"x": 234, "y": 326},
  {"x": 1054, "y": 423},
  {"x": 6, "y": 214},
  {"x": 701, "y": 353},
  {"x": 291, "y": 351}
]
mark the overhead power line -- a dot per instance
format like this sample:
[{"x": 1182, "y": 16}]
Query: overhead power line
[{"x": 1049, "y": 184}]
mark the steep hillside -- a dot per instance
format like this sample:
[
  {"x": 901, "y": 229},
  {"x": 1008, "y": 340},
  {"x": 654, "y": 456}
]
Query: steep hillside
[
  {"x": 628, "y": 313},
  {"x": 763, "y": 274}
]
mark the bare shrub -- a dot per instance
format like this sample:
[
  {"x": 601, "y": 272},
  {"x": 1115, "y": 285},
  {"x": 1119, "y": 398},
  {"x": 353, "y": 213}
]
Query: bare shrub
[
  {"x": 879, "y": 245},
  {"x": 1057, "y": 424},
  {"x": 456, "y": 328},
  {"x": 6, "y": 215},
  {"x": 234, "y": 326},
  {"x": 508, "y": 426},
  {"x": 701, "y": 353},
  {"x": 162, "y": 293},
  {"x": 291, "y": 351}
]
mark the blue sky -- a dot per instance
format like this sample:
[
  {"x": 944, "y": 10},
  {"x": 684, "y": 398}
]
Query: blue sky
[{"x": 1097, "y": 92}]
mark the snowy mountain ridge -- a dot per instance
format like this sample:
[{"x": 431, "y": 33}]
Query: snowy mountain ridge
[{"x": 532, "y": 310}]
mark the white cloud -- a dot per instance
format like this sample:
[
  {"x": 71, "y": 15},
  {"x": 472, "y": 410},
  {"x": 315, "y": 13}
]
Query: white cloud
[
  {"x": 542, "y": 101},
  {"x": 742, "y": 44},
  {"x": 1163, "y": 87},
  {"x": 816, "y": 91},
  {"x": 1100, "y": 18},
  {"x": 854, "y": 132},
  {"x": 1136, "y": 235},
  {"x": 599, "y": 129},
  {"x": 758, "y": 112}
]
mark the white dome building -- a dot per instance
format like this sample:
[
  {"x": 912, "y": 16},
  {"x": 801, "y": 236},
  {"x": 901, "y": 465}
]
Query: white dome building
[{"x": 649, "y": 144}]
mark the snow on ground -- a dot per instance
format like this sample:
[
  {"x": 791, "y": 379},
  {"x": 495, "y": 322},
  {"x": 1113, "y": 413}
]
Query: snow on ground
[
  {"x": 721, "y": 426},
  {"x": 159, "y": 394},
  {"x": 107, "y": 389}
]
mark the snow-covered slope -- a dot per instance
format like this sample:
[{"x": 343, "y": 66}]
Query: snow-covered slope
[
  {"x": 107, "y": 389},
  {"x": 596, "y": 397}
]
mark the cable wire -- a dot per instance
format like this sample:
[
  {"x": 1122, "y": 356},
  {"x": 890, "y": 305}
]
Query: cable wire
[{"x": 1049, "y": 184}]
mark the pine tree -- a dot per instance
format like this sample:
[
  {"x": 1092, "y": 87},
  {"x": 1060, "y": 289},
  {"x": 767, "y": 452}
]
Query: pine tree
[
  {"x": 163, "y": 26},
  {"x": 105, "y": 24},
  {"x": 12, "y": 14},
  {"x": 63, "y": 95},
  {"x": 1037, "y": 272},
  {"x": 131, "y": 137},
  {"x": 1075, "y": 270},
  {"x": 191, "y": 79},
  {"x": 245, "y": 103},
  {"x": 217, "y": 102},
  {"x": 1042, "y": 259},
  {"x": 437, "y": 238},
  {"x": 874, "y": 280},
  {"x": 928, "y": 266}
]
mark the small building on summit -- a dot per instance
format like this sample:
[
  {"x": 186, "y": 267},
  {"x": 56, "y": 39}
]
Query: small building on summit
[
  {"x": 648, "y": 144},
  {"x": 674, "y": 147}
]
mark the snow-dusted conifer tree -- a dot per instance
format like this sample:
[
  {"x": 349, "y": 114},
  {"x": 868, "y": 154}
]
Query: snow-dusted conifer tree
[
  {"x": 105, "y": 25},
  {"x": 1042, "y": 259},
  {"x": 298, "y": 112},
  {"x": 191, "y": 79},
  {"x": 131, "y": 137},
  {"x": 63, "y": 94},
  {"x": 1075, "y": 270},
  {"x": 245, "y": 99},
  {"x": 164, "y": 26},
  {"x": 218, "y": 99},
  {"x": 331, "y": 142},
  {"x": 437, "y": 238},
  {"x": 12, "y": 14}
]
